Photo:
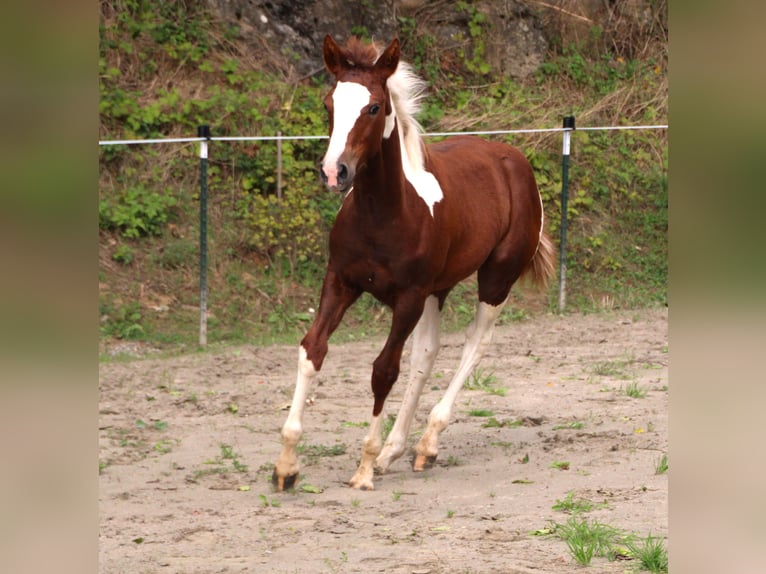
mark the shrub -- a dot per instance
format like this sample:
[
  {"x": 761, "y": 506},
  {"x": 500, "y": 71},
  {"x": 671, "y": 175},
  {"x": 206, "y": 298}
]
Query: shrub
[{"x": 136, "y": 212}]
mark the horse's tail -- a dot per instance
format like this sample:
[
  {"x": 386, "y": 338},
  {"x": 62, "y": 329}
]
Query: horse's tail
[{"x": 542, "y": 268}]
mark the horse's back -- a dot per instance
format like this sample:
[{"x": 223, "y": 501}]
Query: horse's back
[
  {"x": 468, "y": 165},
  {"x": 482, "y": 181}
]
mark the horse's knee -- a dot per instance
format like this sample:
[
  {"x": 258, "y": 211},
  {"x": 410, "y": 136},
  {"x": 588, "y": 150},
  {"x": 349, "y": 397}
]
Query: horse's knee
[{"x": 384, "y": 375}]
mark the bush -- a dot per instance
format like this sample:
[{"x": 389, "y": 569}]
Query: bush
[
  {"x": 136, "y": 212},
  {"x": 286, "y": 231}
]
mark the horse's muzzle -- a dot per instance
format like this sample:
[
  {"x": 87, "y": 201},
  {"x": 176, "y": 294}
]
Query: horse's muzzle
[{"x": 338, "y": 177}]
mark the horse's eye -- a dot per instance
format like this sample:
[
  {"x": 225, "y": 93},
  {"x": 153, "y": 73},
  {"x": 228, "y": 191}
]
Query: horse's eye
[{"x": 374, "y": 109}]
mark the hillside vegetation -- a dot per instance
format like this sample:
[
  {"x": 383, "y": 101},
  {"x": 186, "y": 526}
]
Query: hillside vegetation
[{"x": 166, "y": 68}]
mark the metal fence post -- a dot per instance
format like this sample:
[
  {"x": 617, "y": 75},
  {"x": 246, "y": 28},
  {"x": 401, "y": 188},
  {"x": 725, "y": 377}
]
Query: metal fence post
[
  {"x": 203, "y": 132},
  {"x": 279, "y": 165},
  {"x": 569, "y": 125}
]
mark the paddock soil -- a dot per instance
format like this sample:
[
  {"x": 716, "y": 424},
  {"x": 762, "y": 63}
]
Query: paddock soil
[{"x": 187, "y": 445}]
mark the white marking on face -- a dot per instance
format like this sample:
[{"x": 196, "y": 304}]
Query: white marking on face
[{"x": 348, "y": 100}]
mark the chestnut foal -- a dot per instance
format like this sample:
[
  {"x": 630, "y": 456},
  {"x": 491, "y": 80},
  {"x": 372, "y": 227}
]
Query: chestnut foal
[{"x": 415, "y": 221}]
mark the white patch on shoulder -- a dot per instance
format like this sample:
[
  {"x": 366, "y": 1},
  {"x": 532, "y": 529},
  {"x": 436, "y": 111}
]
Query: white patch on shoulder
[
  {"x": 425, "y": 185},
  {"x": 424, "y": 182}
]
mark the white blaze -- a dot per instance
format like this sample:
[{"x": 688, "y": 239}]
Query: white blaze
[{"x": 348, "y": 100}]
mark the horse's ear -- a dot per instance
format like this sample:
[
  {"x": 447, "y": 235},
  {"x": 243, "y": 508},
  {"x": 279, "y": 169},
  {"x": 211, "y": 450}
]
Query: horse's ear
[
  {"x": 332, "y": 55},
  {"x": 389, "y": 59}
]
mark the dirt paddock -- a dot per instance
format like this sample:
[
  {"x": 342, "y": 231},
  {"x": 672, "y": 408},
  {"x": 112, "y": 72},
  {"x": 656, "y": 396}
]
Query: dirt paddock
[{"x": 187, "y": 446}]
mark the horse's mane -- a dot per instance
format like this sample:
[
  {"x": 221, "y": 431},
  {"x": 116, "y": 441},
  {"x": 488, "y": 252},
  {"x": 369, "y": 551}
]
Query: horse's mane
[
  {"x": 407, "y": 91},
  {"x": 360, "y": 54}
]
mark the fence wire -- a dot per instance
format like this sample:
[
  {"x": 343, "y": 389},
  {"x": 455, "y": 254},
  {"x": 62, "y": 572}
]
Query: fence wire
[{"x": 324, "y": 137}]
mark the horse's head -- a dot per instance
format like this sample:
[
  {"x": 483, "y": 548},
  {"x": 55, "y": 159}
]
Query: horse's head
[{"x": 359, "y": 107}]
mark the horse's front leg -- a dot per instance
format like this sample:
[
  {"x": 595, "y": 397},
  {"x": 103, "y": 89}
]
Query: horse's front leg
[
  {"x": 385, "y": 371},
  {"x": 336, "y": 298}
]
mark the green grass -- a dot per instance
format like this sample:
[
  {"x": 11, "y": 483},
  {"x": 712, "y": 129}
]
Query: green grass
[
  {"x": 350, "y": 424},
  {"x": 492, "y": 422},
  {"x": 573, "y": 506},
  {"x": 480, "y": 413},
  {"x": 502, "y": 443},
  {"x": 588, "y": 539},
  {"x": 635, "y": 391},
  {"x": 388, "y": 424},
  {"x": 650, "y": 553},
  {"x": 313, "y": 452},
  {"x": 481, "y": 380},
  {"x": 661, "y": 466},
  {"x": 573, "y": 425},
  {"x": 615, "y": 369},
  {"x": 266, "y": 502},
  {"x": 218, "y": 465},
  {"x": 452, "y": 460}
]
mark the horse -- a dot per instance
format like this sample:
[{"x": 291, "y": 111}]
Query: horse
[{"x": 415, "y": 220}]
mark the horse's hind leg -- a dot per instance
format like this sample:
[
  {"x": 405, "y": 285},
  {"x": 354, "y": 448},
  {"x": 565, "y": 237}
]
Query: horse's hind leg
[
  {"x": 425, "y": 346},
  {"x": 478, "y": 336}
]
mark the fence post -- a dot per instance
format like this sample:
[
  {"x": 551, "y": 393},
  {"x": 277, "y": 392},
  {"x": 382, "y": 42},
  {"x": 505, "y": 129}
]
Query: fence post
[
  {"x": 279, "y": 165},
  {"x": 203, "y": 132},
  {"x": 569, "y": 125}
]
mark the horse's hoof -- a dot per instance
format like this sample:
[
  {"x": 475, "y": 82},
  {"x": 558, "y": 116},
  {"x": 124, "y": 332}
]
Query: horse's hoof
[
  {"x": 361, "y": 483},
  {"x": 423, "y": 462},
  {"x": 282, "y": 483}
]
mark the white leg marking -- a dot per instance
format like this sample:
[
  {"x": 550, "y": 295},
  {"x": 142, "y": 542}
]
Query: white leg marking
[
  {"x": 287, "y": 464},
  {"x": 425, "y": 346},
  {"x": 478, "y": 336},
  {"x": 362, "y": 479}
]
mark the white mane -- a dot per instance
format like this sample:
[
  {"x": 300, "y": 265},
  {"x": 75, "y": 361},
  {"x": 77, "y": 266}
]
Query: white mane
[{"x": 407, "y": 91}]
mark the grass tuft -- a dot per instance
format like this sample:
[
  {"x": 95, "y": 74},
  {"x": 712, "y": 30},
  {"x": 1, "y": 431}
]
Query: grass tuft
[
  {"x": 588, "y": 539},
  {"x": 650, "y": 553},
  {"x": 634, "y": 391},
  {"x": 573, "y": 506},
  {"x": 312, "y": 452},
  {"x": 480, "y": 413},
  {"x": 481, "y": 380},
  {"x": 661, "y": 467}
]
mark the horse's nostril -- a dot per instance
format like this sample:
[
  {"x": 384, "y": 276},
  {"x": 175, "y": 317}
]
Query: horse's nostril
[
  {"x": 322, "y": 174},
  {"x": 342, "y": 172}
]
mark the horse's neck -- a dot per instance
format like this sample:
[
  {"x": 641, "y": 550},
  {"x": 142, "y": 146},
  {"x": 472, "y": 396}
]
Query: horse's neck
[{"x": 381, "y": 186}]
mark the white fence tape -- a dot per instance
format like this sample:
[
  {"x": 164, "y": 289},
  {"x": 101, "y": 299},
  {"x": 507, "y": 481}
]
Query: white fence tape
[{"x": 427, "y": 134}]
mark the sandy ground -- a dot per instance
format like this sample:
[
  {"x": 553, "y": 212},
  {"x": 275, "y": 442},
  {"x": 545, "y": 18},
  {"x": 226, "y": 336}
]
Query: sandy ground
[{"x": 187, "y": 446}]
